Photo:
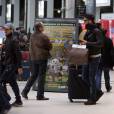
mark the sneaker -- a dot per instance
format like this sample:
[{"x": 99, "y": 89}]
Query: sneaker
[
  {"x": 24, "y": 95},
  {"x": 17, "y": 104},
  {"x": 109, "y": 89},
  {"x": 90, "y": 102},
  {"x": 42, "y": 98},
  {"x": 99, "y": 95}
]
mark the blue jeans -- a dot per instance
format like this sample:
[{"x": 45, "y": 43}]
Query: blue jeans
[
  {"x": 99, "y": 76},
  {"x": 38, "y": 73},
  {"x": 89, "y": 73},
  {"x": 106, "y": 77}
]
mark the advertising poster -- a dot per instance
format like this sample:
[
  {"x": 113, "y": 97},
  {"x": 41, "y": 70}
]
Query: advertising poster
[
  {"x": 61, "y": 34},
  {"x": 105, "y": 24},
  {"x": 109, "y": 26}
]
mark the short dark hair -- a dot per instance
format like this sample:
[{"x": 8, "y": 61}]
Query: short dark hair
[
  {"x": 90, "y": 17},
  {"x": 98, "y": 25}
]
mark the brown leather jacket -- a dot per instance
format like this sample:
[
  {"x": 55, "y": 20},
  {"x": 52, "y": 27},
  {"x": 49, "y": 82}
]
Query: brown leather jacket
[{"x": 40, "y": 46}]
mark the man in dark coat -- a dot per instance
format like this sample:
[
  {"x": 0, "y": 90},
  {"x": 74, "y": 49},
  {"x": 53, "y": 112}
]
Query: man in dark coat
[
  {"x": 93, "y": 42},
  {"x": 12, "y": 63}
]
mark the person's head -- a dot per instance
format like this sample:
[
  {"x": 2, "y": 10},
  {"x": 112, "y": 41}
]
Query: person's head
[
  {"x": 8, "y": 29},
  {"x": 88, "y": 18},
  {"x": 99, "y": 26},
  {"x": 90, "y": 26},
  {"x": 38, "y": 27}
]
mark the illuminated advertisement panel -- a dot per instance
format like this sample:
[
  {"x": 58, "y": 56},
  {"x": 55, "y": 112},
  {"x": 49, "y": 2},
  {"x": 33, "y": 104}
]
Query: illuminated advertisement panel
[{"x": 61, "y": 33}]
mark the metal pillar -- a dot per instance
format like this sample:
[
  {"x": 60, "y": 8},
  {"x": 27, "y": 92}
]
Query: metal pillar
[
  {"x": 16, "y": 4},
  {"x": 70, "y": 7},
  {"x": 25, "y": 15},
  {"x": 2, "y": 17},
  {"x": 30, "y": 15},
  {"x": 50, "y": 8},
  {"x": 63, "y": 9}
]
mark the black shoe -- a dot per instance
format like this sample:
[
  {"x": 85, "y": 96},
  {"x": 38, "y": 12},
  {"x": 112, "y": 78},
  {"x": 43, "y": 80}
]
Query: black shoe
[
  {"x": 90, "y": 102},
  {"x": 99, "y": 95},
  {"x": 42, "y": 98},
  {"x": 109, "y": 89},
  {"x": 5, "y": 111},
  {"x": 17, "y": 104},
  {"x": 24, "y": 95}
]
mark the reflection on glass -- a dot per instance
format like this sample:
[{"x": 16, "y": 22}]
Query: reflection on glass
[
  {"x": 41, "y": 9},
  {"x": 8, "y": 15}
]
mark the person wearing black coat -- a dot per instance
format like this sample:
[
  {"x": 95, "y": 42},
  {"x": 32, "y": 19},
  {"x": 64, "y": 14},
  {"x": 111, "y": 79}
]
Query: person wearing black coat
[
  {"x": 93, "y": 41},
  {"x": 12, "y": 64},
  {"x": 4, "y": 97},
  {"x": 105, "y": 64}
]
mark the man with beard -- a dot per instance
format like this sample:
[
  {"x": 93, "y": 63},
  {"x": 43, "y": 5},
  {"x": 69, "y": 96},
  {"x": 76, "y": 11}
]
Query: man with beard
[
  {"x": 93, "y": 42},
  {"x": 11, "y": 63}
]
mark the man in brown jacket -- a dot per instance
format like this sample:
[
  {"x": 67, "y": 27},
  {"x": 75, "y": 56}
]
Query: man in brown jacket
[{"x": 40, "y": 46}]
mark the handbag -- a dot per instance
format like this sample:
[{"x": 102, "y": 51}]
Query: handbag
[{"x": 78, "y": 55}]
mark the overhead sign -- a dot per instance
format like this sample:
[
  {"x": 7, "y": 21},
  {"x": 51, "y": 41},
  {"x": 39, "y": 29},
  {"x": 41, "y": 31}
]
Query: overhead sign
[
  {"x": 100, "y": 3},
  {"x": 108, "y": 16}
]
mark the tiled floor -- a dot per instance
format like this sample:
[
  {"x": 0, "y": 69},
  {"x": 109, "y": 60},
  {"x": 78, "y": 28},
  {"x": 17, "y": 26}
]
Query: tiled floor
[{"x": 59, "y": 104}]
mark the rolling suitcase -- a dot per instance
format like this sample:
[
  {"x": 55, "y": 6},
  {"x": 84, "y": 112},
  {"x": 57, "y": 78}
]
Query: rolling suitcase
[{"x": 77, "y": 88}]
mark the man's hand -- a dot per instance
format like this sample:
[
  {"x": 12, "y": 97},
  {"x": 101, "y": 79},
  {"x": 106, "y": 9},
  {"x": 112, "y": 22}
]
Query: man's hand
[
  {"x": 1, "y": 45},
  {"x": 20, "y": 71},
  {"x": 83, "y": 42}
]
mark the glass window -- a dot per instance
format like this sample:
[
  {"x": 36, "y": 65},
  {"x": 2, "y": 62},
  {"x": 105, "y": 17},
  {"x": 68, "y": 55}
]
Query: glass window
[
  {"x": 8, "y": 14},
  {"x": 41, "y": 9}
]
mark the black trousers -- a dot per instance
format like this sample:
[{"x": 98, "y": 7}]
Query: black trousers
[
  {"x": 38, "y": 73},
  {"x": 107, "y": 78},
  {"x": 9, "y": 76}
]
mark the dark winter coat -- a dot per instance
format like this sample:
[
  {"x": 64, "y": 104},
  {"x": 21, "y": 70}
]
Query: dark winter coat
[
  {"x": 106, "y": 53},
  {"x": 11, "y": 52},
  {"x": 94, "y": 40}
]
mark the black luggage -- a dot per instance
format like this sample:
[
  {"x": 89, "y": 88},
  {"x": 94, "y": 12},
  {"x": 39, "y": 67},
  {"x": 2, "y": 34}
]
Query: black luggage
[{"x": 77, "y": 88}]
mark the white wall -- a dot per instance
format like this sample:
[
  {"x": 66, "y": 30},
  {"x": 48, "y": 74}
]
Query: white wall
[{"x": 70, "y": 8}]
